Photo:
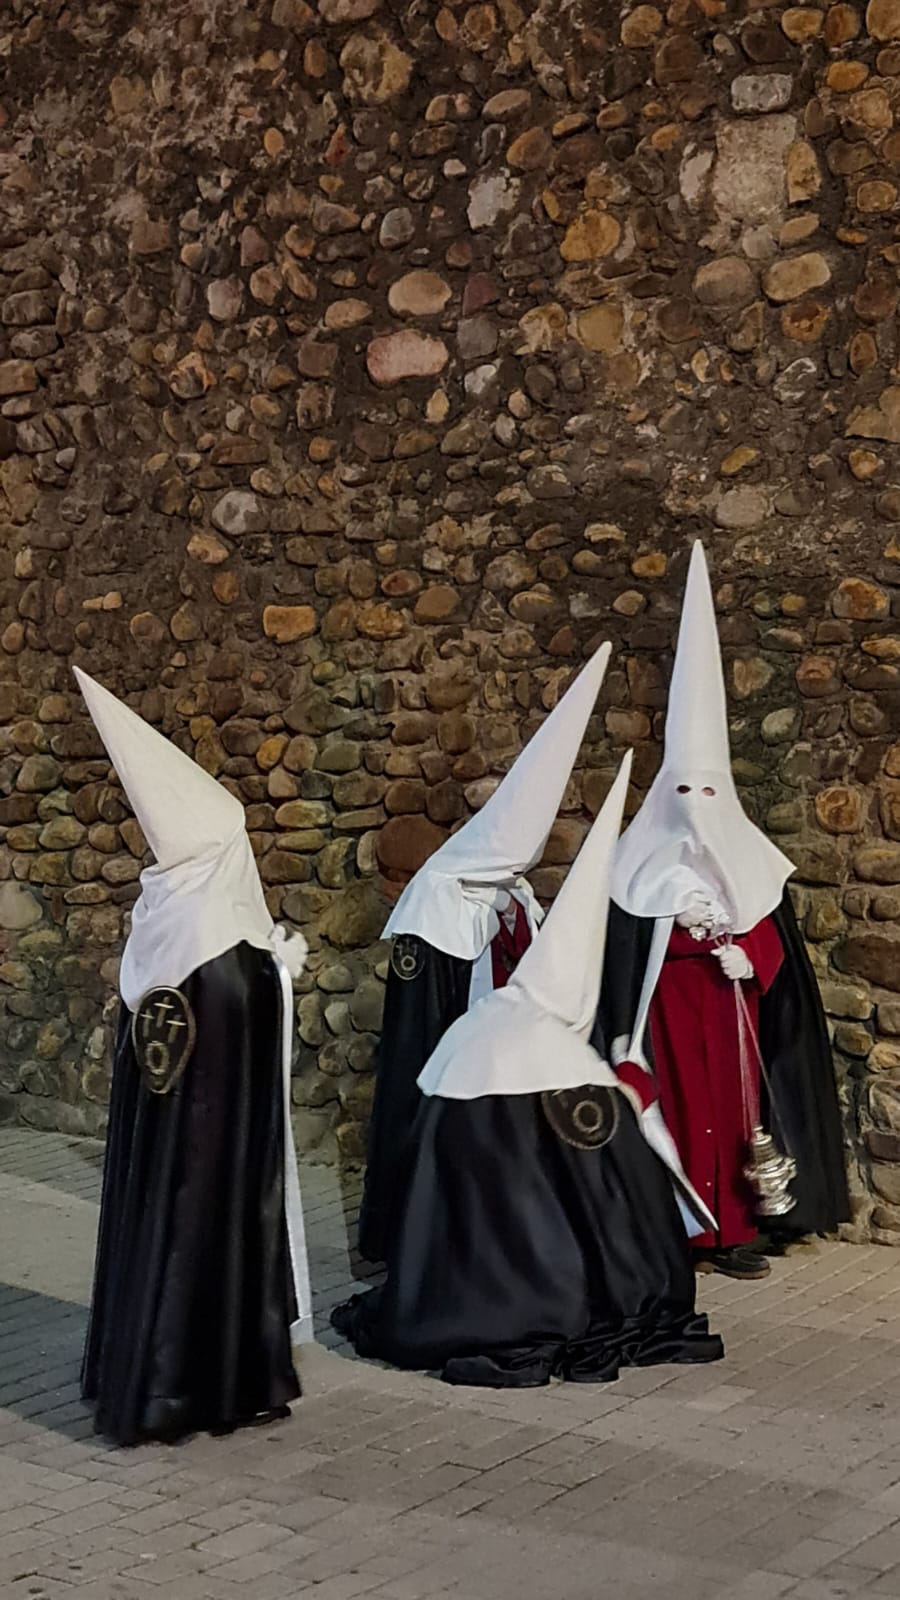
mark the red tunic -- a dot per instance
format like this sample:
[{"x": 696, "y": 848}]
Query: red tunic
[
  {"x": 509, "y": 945},
  {"x": 693, "y": 1026}
]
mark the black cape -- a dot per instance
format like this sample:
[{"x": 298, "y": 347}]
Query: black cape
[
  {"x": 517, "y": 1257},
  {"x": 794, "y": 1043},
  {"x": 426, "y": 991},
  {"x": 193, "y": 1292}
]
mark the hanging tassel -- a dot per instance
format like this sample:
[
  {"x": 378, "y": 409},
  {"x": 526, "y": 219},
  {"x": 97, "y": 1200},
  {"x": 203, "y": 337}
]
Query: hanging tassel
[{"x": 291, "y": 949}]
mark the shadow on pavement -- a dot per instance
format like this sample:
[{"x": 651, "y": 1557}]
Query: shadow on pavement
[{"x": 41, "y": 1340}]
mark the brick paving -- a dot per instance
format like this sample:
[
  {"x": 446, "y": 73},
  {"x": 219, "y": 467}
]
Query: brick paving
[{"x": 775, "y": 1473}]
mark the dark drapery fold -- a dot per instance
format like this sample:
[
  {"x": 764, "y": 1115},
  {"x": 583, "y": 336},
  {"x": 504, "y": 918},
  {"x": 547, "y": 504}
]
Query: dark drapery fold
[
  {"x": 794, "y": 1043},
  {"x": 627, "y": 951},
  {"x": 793, "y": 1037},
  {"x": 516, "y": 1257},
  {"x": 426, "y": 991},
  {"x": 193, "y": 1294}
]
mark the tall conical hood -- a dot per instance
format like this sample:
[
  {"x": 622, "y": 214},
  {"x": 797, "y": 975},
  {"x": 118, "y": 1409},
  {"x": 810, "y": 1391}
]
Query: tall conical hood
[
  {"x": 692, "y": 836},
  {"x": 532, "y": 1034},
  {"x": 203, "y": 895},
  {"x": 697, "y": 716},
  {"x": 181, "y": 809},
  {"x": 560, "y": 971},
  {"x": 449, "y": 901}
]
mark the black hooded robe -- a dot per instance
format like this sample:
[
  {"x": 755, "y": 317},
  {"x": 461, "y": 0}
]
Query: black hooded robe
[
  {"x": 193, "y": 1291},
  {"x": 516, "y": 1257},
  {"x": 794, "y": 1043},
  {"x": 426, "y": 991}
]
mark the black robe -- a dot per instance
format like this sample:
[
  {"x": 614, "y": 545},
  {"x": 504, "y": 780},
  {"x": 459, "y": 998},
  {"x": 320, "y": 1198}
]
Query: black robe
[
  {"x": 794, "y": 1043},
  {"x": 516, "y": 1257},
  {"x": 193, "y": 1292},
  {"x": 426, "y": 991}
]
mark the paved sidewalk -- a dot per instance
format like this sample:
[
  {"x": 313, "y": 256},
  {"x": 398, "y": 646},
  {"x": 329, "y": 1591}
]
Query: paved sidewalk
[{"x": 776, "y": 1473}]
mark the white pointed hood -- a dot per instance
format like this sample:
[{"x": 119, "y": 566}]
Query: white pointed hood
[
  {"x": 203, "y": 894},
  {"x": 692, "y": 834},
  {"x": 532, "y": 1035},
  {"x": 453, "y": 900}
]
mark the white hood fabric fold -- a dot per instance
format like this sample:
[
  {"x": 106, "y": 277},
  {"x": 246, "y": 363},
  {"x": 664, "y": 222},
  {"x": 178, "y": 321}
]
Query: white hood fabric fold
[
  {"x": 454, "y": 899},
  {"x": 692, "y": 836},
  {"x": 532, "y": 1035},
  {"x": 202, "y": 895}
]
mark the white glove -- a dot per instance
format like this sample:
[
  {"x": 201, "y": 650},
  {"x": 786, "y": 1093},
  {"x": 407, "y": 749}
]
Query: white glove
[
  {"x": 735, "y": 962},
  {"x": 291, "y": 949},
  {"x": 698, "y": 913}
]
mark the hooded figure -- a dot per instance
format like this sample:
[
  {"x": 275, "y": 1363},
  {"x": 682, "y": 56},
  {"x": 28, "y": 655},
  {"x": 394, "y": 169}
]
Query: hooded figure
[
  {"x": 708, "y": 978},
  {"x": 542, "y": 1229},
  {"x": 201, "y": 1276},
  {"x": 458, "y": 930}
]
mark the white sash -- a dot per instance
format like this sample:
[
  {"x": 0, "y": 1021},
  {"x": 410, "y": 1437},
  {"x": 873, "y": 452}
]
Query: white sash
[
  {"x": 302, "y": 1329},
  {"x": 696, "y": 1215}
]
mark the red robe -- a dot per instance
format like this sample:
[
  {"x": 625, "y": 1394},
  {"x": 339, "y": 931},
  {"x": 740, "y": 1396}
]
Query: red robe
[{"x": 693, "y": 1026}]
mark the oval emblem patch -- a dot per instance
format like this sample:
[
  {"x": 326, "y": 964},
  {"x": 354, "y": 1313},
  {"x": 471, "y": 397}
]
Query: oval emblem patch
[
  {"x": 407, "y": 956},
  {"x": 163, "y": 1033},
  {"x": 585, "y": 1118}
]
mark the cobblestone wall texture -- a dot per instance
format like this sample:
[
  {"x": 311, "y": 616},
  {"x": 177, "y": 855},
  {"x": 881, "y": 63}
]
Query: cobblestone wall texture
[{"x": 363, "y": 364}]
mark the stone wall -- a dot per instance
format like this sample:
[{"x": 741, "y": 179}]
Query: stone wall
[{"x": 362, "y": 365}]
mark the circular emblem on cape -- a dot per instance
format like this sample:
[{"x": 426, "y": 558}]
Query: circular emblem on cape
[
  {"x": 407, "y": 956},
  {"x": 585, "y": 1118},
  {"x": 163, "y": 1032}
]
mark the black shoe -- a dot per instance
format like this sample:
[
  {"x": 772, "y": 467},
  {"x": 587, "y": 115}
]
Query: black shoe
[{"x": 738, "y": 1261}]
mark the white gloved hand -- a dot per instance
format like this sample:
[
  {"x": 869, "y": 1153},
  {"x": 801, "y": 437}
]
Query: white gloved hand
[
  {"x": 291, "y": 949},
  {"x": 735, "y": 962},
  {"x": 698, "y": 913}
]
